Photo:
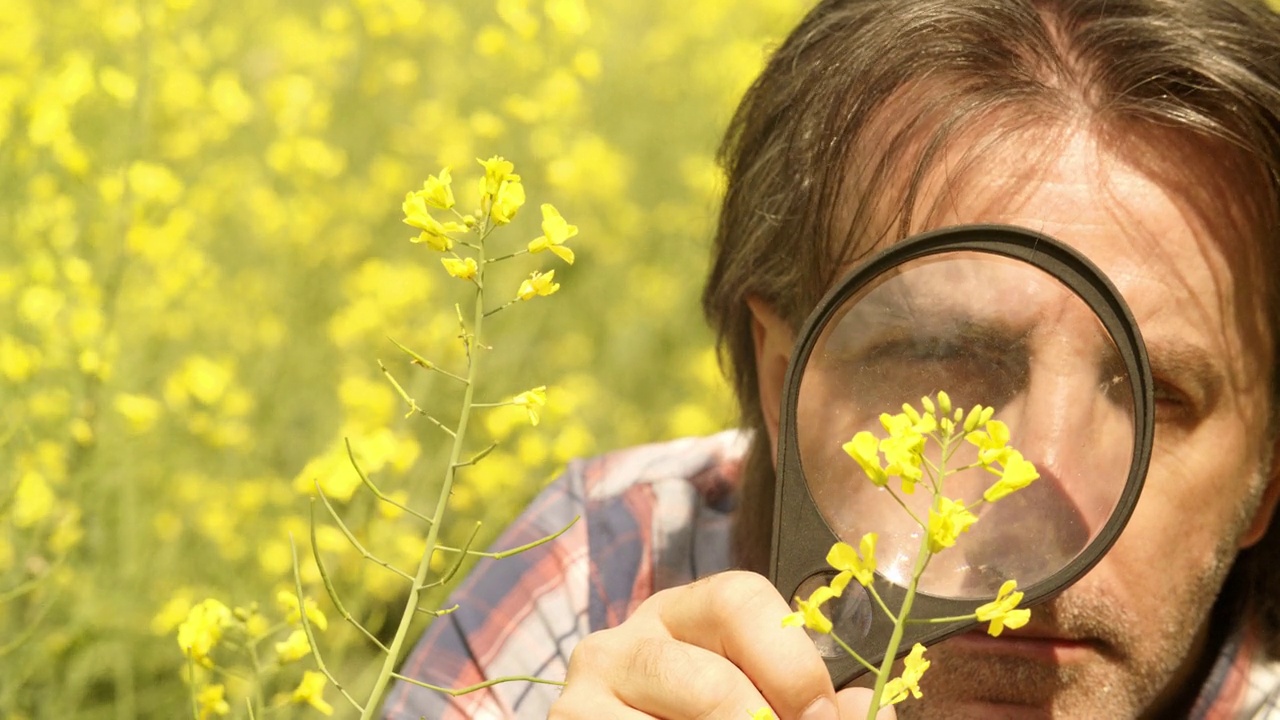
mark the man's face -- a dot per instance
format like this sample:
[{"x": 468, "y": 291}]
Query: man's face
[{"x": 1121, "y": 641}]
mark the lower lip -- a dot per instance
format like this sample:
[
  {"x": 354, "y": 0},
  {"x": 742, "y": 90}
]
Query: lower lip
[{"x": 1045, "y": 650}]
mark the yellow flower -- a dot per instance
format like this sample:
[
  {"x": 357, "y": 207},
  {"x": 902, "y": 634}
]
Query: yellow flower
[
  {"x": 295, "y": 647},
  {"x": 311, "y": 692},
  {"x": 844, "y": 558},
  {"x": 538, "y": 284},
  {"x": 810, "y": 612},
  {"x": 532, "y": 401},
  {"x": 947, "y": 522},
  {"x": 497, "y": 170},
  {"x": 763, "y": 713},
  {"x": 903, "y": 449},
  {"x": 34, "y": 500},
  {"x": 438, "y": 190},
  {"x": 864, "y": 449},
  {"x": 212, "y": 700},
  {"x": 202, "y": 630},
  {"x": 896, "y": 690},
  {"x": 555, "y": 231},
  {"x": 1018, "y": 473},
  {"x": 289, "y": 604},
  {"x": 461, "y": 268},
  {"x": 433, "y": 231},
  {"x": 507, "y": 201},
  {"x": 1003, "y": 611},
  {"x": 992, "y": 444}
]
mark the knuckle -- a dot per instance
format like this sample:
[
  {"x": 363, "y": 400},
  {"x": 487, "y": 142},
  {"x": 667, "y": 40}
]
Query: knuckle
[{"x": 737, "y": 589}]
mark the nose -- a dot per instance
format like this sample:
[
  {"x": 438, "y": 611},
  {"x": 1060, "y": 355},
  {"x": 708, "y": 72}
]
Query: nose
[{"x": 1069, "y": 422}]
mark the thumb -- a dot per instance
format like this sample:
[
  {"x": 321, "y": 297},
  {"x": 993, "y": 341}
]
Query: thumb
[{"x": 853, "y": 704}]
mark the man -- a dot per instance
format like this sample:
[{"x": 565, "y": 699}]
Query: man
[{"x": 1144, "y": 133}]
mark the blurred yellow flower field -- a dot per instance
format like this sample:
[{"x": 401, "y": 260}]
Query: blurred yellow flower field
[{"x": 204, "y": 264}]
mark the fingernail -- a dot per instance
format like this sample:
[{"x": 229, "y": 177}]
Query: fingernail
[{"x": 820, "y": 709}]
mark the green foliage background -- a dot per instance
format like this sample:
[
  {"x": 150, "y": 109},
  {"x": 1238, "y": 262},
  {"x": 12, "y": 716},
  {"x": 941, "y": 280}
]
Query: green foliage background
[{"x": 201, "y": 260}]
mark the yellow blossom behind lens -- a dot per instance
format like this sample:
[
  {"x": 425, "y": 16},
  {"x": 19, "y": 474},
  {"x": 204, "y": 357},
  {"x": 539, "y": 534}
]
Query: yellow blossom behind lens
[
  {"x": 1016, "y": 474},
  {"x": 844, "y": 558},
  {"x": 810, "y": 613},
  {"x": 946, "y": 522},
  {"x": 864, "y": 448}
]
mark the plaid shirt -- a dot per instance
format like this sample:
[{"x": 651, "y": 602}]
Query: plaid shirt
[{"x": 652, "y": 517}]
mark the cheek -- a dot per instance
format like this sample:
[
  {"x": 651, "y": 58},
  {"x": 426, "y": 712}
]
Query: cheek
[{"x": 1191, "y": 501}]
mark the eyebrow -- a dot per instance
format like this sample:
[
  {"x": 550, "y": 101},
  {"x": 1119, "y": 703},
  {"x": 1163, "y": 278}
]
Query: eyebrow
[{"x": 1189, "y": 364}]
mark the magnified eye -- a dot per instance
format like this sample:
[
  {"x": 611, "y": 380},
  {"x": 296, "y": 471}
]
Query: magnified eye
[{"x": 973, "y": 368}]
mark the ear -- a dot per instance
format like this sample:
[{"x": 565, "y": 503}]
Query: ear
[
  {"x": 1267, "y": 507},
  {"x": 774, "y": 340}
]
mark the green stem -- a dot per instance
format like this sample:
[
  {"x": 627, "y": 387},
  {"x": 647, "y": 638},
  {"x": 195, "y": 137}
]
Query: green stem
[
  {"x": 895, "y": 640},
  {"x": 854, "y": 654},
  {"x": 392, "y": 658}
]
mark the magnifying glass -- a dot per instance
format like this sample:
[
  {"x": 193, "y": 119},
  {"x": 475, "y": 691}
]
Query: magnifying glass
[{"x": 996, "y": 316}]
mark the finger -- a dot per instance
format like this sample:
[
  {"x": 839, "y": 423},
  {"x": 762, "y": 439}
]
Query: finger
[
  {"x": 853, "y": 704},
  {"x": 675, "y": 680},
  {"x": 592, "y": 704},
  {"x": 738, "y": 615}
]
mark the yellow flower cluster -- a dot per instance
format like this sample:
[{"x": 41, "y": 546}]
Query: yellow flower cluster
[
  {"x": 902, "y": 453},
  {"x": 200, "y": 262}
]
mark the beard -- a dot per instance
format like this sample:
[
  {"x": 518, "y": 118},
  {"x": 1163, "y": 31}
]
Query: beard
[{"x": 1138, "y": 660}]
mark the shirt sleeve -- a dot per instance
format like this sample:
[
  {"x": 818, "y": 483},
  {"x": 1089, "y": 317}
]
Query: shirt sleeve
[{"x": 518, "y": 616}]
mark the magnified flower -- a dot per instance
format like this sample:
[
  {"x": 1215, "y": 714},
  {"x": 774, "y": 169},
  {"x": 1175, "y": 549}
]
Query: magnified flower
[
  {"x": 947, "y": 522},
  {"x": 992, "y": 444},
  {"x": 1018, "y": 473},
  {"x": 1004, "y": 611},
  {"x": 555, "y": 231},
  {"x": 864, "y": 448},
  {"x": 844, "y": 558},
  {"x": 903, "y": 449},
  {"x": 810, "y": 612}
]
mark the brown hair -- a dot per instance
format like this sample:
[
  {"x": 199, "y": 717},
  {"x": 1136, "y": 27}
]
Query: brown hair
[{"x": 1207, "y": 71}]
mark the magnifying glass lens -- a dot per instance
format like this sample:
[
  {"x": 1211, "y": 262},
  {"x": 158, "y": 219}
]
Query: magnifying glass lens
[{"x": 987, "y": 330}]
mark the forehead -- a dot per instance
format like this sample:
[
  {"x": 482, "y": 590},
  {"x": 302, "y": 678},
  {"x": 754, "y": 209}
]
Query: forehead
[{"x": 1179, "y": 259}]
